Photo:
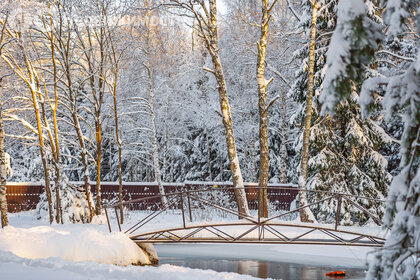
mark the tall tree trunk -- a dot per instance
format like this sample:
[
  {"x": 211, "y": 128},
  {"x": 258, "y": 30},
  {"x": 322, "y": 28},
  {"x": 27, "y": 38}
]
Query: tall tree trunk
[
  {"x": 156, "y": 163},
  {"x": 254, "y": 159},
  {"x": 172, "y": 169},
  {"x": 65, "y": 44},
  {"x": 80, "y": 137},
  {"x": 208, "y": 155},
  {"x": 55, "y": 157},
  {"x": 151, "y": 104},
  {"x": 44, "y": 160},
  {"x": 235, "y": 169},
  {"x": 32, "y": 81},
  {"x": 262, "y": 107},
  {"x": 3, "y": 167},
  {"x": 97, "y": 84},
  {"x": 283, "y": 137},
  {"x": 98, "y": 164},
  {"x": 54, "y": 107},
  {"x": 119, "y": 145},
  {"x": 207, "y": 25},
  {"x": 246, "y": 159},
  {"x": 306, "y": 214},
  {"x": 221, "y": 168},
  {"x": 166, "y": 140},
  {"x": 84, "y": 156}
]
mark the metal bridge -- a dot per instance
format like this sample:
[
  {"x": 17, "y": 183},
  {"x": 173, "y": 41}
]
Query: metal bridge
[{"x": 248, "y": 229}]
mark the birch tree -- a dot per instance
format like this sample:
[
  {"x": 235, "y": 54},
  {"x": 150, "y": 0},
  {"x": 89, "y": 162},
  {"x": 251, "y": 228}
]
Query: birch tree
[
  {"x": 112, "y": 83},
  {"x": 93, "y": 44},
  {"x": 306, "y": 214},
  {"x": 3, "y": 162},
  {"x": 263, "y": 108},
  {"x": 28, "y": 74},
  {"x": 66, "y": 48},
  {"x": 53, "y": 136},
  {"x": 205, "y": 13}
]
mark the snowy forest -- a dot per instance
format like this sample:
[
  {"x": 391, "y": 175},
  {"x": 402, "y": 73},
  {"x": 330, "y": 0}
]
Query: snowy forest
[{"x": 323, "y": 94}]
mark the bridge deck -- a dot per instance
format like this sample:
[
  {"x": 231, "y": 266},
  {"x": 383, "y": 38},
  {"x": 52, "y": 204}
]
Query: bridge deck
[{"x": 260, "y": 232}]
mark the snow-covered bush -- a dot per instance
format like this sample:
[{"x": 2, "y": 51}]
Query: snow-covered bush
[{"x": 74, "y": 204}]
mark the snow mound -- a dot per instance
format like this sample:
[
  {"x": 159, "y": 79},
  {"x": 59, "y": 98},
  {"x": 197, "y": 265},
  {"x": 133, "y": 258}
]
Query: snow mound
[
  {"x": 74, "y": 243},
  {"x": 14, "y": 267}
]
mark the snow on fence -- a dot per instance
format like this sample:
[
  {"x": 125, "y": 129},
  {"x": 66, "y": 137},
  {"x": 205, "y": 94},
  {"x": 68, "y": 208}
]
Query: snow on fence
[{"x": 23, "y": 196}]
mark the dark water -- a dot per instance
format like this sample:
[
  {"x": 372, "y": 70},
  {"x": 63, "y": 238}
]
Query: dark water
[{"x": 262, "y": 269}]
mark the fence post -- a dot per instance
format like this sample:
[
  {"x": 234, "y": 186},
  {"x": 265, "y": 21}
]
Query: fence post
[
  {"x": 118, "y": 219},
  {"x": 258, "y": 204},
  {"x": 182, "y": 208},
  {"x": 337, "y": 214},
  {"x": 107, "y": 219},
  {"x": 189, "y": 205}
]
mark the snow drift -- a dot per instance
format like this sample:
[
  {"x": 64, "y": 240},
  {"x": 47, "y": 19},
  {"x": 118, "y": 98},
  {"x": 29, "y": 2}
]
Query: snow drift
[{"x": 75, "y": 243}]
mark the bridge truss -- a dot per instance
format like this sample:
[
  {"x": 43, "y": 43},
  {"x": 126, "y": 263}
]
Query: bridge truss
[{"x": 248, "y": 229}]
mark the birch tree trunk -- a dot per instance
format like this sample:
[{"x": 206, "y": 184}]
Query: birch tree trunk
[
  {"x": 98, "y": 128},
  {"x": 155, "y": 143},
  {"x": 166, "y": 140},
  {"x": 119, "y": 145},
  {"x": 206, "y": 18},
  {"x": 213, "y": 47},
  {"x": 283, "y": 137},
  {"x": 88, "y": 41},
  {"x": 65, "y": 48},
  {"x": 112, "y": 87},
  {"x": 208, "y": 155},
  {"x": 55, "y": 144},
  {"x": 306, "y": 214},
  {"x": 156, "y": 163},
  {"x": 80, "y": 137},
  {"x": 3, "y": 167},
  {"x": 31, "y": 78},
  {"x": 35, "y": 83},
  {"x": 85, "y": 163},
  {"x": 253, "y": 156},
  {"x": 262, "y": 107}
]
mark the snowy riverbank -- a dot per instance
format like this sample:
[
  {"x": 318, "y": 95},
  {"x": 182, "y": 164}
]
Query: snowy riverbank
[
  {"x": 32, "y": 249},
  {"x": 13, "y": 267},
  {"x": 89, "y": 251}
]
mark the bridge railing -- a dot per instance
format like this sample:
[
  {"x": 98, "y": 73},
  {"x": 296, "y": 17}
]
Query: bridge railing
[{"x": 222, "y": 199}]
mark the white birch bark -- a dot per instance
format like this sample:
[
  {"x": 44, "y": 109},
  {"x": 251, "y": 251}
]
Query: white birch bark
[
  {"x": 3, "y": 167},
  {"x": 306, "y": 214},
  {"x": 155, "y": 155}
]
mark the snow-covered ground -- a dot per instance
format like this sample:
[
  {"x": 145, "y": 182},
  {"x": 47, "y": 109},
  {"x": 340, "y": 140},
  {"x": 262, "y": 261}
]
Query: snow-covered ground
[
  {"x": 71, "y": 242},
  {"x": 32, "y": 249},
  {"x": 13, "y": 267},
  {"x": 89, "y": 251}
]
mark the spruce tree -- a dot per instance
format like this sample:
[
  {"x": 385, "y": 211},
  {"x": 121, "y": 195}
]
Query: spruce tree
[
  {"x": 399, "y": 259},
  {"x": 343, "y": 155}
]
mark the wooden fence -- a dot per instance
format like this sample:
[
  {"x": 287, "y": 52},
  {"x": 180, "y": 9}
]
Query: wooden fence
[{"x": 23, "y": 196}]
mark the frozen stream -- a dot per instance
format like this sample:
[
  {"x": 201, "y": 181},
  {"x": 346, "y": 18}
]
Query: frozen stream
[{"x": 276, "y": 263}]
